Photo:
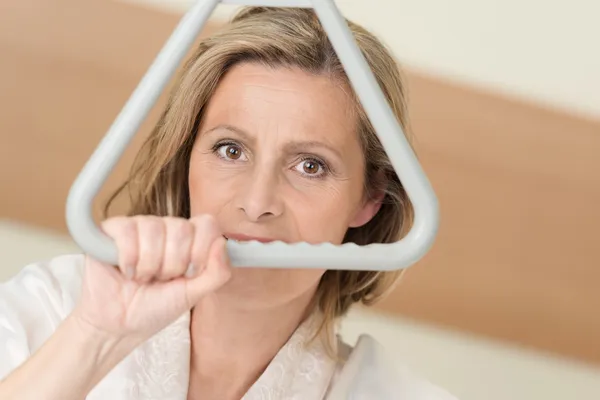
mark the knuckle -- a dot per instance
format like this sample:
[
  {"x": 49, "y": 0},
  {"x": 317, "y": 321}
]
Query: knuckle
[
  {"x": 113, "y": 226},
  {"x": 124, "y": 232},
  {"x": 177, "y": 253},
  {"x": 206, "y": 225},
  {"x": 150, "y": 231},
  {"x": 151, "y": 236},
  {"x": 154, "y": 226},
  {"x": 203, "y": 220},
  {"x": 129, "y": 229},
  {"x": 180, "y": 230}
]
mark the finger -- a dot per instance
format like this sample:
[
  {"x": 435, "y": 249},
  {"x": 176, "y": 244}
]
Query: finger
[
  {"x": 216, "y": 273},
  {"x": 151, "y": 237},
  {"x": 205, "y": 232},
  {"x": 178, "y": 244},
  {"x": 124, "y": 232}
]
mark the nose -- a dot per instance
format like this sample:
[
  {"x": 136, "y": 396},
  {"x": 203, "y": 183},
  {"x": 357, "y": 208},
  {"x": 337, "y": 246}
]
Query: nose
[{"x": 260, "y": 198}]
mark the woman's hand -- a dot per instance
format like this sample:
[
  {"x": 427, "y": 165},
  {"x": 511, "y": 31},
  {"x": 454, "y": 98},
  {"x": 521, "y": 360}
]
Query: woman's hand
[
  {"x": 166, "y": 265},
  {"x": 121, "y": 307}
]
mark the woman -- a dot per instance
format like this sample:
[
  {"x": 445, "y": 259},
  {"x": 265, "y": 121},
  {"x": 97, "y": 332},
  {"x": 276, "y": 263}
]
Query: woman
[{"x": 262, "y": 139}]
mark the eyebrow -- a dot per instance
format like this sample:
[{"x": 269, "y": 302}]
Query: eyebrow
[
  {"x": 294, "y": 146},
  {"x": 233, "y": 129}
]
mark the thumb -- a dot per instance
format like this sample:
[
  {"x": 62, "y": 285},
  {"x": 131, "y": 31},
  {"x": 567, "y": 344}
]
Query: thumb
[{"x": 214, "y": 275}]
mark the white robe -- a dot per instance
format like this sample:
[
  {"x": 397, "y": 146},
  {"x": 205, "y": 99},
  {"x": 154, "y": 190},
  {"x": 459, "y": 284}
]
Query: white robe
[{"x": 38, "y": 299}]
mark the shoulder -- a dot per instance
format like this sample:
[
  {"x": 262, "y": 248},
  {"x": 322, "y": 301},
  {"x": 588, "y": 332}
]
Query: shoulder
[
  {"x": 33, "y": 303},
  {"x": 369, "y": 372}
]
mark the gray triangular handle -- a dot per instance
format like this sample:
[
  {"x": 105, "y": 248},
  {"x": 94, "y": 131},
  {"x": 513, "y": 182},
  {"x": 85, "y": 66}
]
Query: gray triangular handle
[{"x": 398, "y": 255}]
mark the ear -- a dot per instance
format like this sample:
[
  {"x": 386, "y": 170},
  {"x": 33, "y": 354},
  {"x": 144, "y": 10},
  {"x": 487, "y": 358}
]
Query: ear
[{"x": 371, "y": 205}]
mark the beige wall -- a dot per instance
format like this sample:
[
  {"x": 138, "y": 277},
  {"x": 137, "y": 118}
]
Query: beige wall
[
  {"x": 518, "y": 185},
  {"x": 538, "y": 50}
]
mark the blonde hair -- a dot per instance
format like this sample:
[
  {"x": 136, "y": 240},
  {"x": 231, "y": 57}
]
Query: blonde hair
[{"x": 158, "y": 183}]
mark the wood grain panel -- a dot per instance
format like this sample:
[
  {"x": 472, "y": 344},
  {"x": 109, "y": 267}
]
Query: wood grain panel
[
  {"x": 519, "y": 186},
  {"x": 69, "y": 67}
]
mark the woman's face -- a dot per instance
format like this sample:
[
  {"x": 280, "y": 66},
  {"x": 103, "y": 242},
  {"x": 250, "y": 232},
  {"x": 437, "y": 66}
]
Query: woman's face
[{"x": 277, "y": 157}]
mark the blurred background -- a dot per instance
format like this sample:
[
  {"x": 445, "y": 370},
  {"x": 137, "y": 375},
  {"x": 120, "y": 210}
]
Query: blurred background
[{"x": 505, "y": 106}]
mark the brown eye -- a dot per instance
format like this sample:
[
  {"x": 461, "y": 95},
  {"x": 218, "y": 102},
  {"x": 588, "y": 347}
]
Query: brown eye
[
  {"x": 233, "y": 152},
  {"x": 310, "y": 167}
]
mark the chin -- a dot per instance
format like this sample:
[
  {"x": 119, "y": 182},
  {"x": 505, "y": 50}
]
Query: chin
[{"x": 269, "y": 287}]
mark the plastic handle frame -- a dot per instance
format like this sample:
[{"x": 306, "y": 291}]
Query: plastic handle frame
[{"x": 377, "y": 257}]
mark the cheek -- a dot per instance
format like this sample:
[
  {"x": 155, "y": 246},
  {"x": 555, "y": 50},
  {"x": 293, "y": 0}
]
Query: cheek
[
  {"x": 211, "y": 186},
  {"x": 324, "y": 214}
]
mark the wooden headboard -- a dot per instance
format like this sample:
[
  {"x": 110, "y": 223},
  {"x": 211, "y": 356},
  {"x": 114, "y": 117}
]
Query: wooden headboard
[{"x": 519, "y": 186}]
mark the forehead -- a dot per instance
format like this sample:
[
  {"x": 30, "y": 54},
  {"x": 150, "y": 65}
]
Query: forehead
[{"x": 286, "y": 101}]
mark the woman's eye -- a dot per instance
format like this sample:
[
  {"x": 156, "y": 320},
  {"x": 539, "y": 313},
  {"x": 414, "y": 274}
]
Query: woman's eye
[
  {"x": 231, "y": 152},
  {"x": 310, "y": 167}
]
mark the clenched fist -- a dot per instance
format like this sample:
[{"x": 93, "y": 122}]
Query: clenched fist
[{"x": 166, "y": 265}]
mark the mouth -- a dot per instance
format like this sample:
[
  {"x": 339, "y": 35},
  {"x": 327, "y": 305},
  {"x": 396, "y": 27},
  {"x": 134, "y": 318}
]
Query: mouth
[{"x": 238, "y": 237}]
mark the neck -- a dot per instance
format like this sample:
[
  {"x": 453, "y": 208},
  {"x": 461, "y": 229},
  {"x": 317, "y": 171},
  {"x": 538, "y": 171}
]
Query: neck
[{"x": 232, "y": 345}]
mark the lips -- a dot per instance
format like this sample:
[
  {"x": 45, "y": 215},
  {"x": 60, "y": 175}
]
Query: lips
[{"x": 238, "y": 237}]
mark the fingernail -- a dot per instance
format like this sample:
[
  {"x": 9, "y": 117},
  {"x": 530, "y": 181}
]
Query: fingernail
[
  {"x": 129, "y": 273},
  {"x": 190, "y": 271}
]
